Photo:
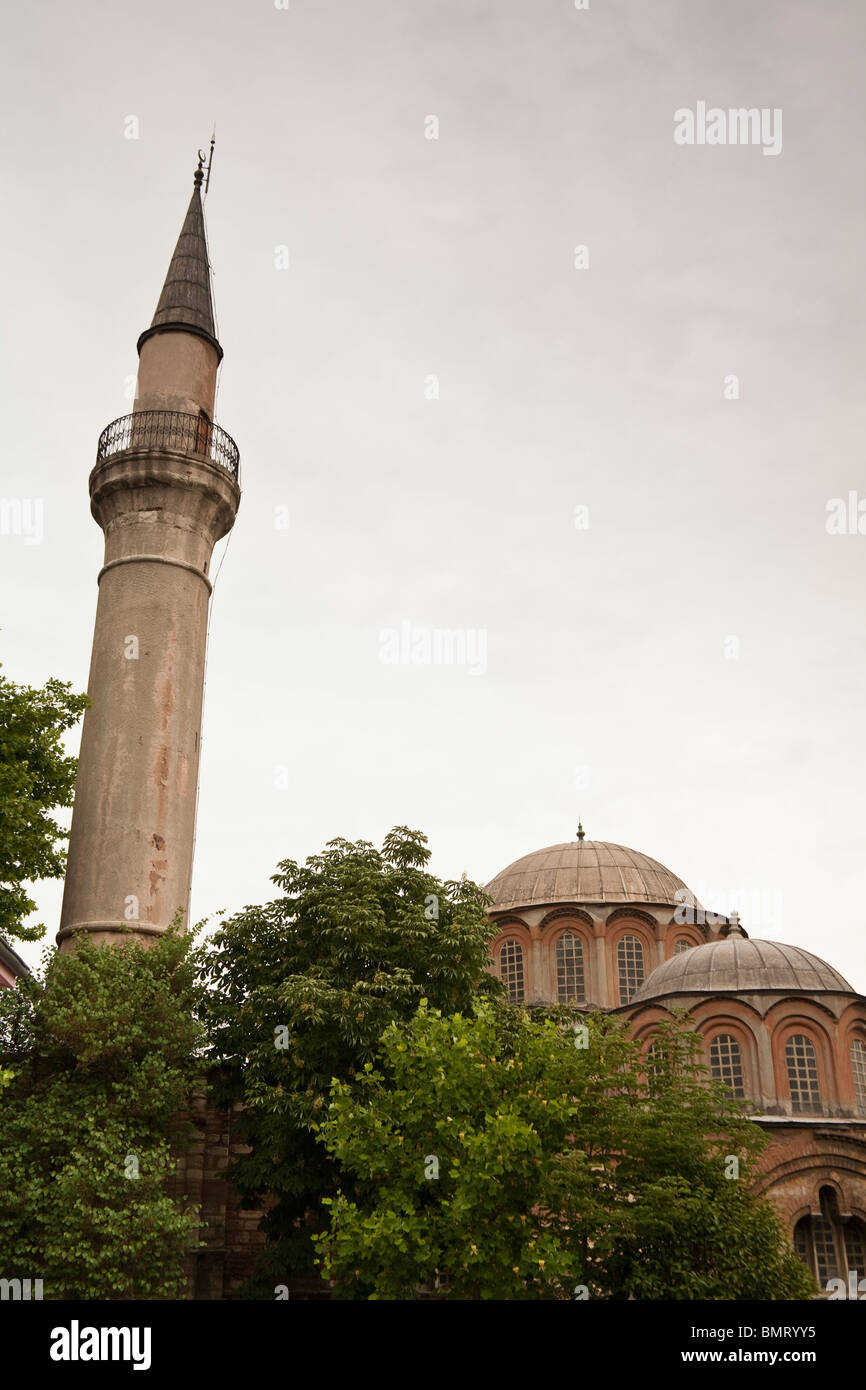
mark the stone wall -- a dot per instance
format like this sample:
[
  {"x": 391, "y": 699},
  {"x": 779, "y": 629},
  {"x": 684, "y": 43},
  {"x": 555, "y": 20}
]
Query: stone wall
[{"x": 230, "y": 1235}]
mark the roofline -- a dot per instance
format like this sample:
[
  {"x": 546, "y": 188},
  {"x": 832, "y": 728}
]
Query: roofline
[
  {"x": 783, "y": 990},
  {"x": 850, "y": 1122},
  {"x": 605, "y": 902},
  {"x": 12, "y": 959}
]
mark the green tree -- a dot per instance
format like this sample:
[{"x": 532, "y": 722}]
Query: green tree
[
  {"x": 689, "y": 1225},
  {"x": 299, "y": 991},
  {"x": 36, "y": 776},
  {"x": 498, "y": 1157},
  {"x": 102, "y": 1057}
]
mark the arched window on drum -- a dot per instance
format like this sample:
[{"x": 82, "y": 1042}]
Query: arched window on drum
[
  {"x": 511, "y": 970},
  {"x": 858, "y": 1072},
  {"x": 726, "y": 1063},
  {"x": 630, "y": 966},
  {"x": 803, "y": 1083},
  {"x": 570, "y": 979}
]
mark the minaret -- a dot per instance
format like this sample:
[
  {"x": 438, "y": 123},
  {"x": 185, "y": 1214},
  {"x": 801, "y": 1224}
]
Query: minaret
[{"x": 164, "y": 490}]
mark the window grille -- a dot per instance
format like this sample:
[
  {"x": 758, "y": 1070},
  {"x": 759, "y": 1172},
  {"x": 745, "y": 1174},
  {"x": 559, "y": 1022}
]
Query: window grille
[
  {"x": 629, "y": 956},
  {"x": 726, "y": 1064},
  {"x": 832, "y": 1248},
  {"x": 802, "y": 1075},
  {"x": 858, "y": 1069},
  {"x": 570, "y": 985},
  {"x": 511, "y": 969}
]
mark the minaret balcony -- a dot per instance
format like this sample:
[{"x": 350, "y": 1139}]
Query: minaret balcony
[{"x": 171, "y": 430}]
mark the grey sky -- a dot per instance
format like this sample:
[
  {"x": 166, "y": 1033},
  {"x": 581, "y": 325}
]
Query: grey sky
[{"x": 559, "y": 387}]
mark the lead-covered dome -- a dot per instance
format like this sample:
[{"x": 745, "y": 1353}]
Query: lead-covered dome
[
  {"x": 741, "y": 965},
  {"x": 586, "y": 871}
]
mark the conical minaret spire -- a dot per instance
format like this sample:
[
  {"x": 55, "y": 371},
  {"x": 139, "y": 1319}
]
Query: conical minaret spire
[
  {"x": 179, "y": 354},
  {"x": 186, "y": 302}
]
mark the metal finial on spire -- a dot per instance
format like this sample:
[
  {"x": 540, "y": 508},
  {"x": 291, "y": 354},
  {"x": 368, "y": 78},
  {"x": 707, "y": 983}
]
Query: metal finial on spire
[
  {"x": 581, "y": 833},
  {"x": 210, "y": 158},
  {"x": 198, "y": 176}
]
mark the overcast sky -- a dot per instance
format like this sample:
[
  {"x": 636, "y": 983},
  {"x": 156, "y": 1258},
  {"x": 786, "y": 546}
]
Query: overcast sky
[{"x": 672, "y": 641}]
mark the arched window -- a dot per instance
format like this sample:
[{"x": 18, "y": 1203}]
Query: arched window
[
  {"x": 858, "y": 1071},
  {"x": 803, "y": 1075},
  {"x": 629, "y": 959},
  {"x": 682, "y": 945},
  {"x": 830, "y": 1247},
  {"x": 511, "y": 969},
  {"x": 570, "y": 987},
  {"x": 726, "y": 1064}
]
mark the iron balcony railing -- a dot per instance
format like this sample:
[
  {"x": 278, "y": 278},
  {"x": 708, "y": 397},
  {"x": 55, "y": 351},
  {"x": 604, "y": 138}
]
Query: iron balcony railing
[{"x": 170, "y": 429}]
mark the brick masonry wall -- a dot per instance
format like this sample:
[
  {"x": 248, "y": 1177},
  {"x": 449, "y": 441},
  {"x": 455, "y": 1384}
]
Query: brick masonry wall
[{"x": 800, "y": 1159}]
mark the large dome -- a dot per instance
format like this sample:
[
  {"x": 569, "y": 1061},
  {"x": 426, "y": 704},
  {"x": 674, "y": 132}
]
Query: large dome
[
  {"x": 586, "y": 871},
  {"x": 740, "y": 965}
]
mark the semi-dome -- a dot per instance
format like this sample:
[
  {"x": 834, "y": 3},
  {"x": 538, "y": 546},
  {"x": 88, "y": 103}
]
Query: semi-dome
[
  {"x": 741, "y": 965},
  {"x": 586, "y": 871}
]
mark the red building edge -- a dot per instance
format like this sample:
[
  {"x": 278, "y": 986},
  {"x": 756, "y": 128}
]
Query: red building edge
[{"x": 12, "y": 967}]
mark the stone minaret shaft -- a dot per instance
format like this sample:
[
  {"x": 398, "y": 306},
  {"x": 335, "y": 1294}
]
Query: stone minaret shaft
[{"x": 164, "y": 490}]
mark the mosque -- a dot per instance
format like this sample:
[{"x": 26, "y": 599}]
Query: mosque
[
  {"x": 587, "y": 924},
  {"x": 596, "y": 926}
]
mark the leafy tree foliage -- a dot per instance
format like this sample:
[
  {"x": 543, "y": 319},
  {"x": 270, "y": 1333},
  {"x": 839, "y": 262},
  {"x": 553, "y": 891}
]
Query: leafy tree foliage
[
  {"x": 498, "y": 1157},
  {"x": 36, "y": 776},
  {"x": 101, "y": 1055},
  {"x": 299, "y": 991},
  {"x": 689, "y": 1225}
]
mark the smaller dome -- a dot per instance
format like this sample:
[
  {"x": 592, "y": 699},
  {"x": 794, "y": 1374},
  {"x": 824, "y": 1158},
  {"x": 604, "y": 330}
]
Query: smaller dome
[{"x": 740, "y": 965}]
